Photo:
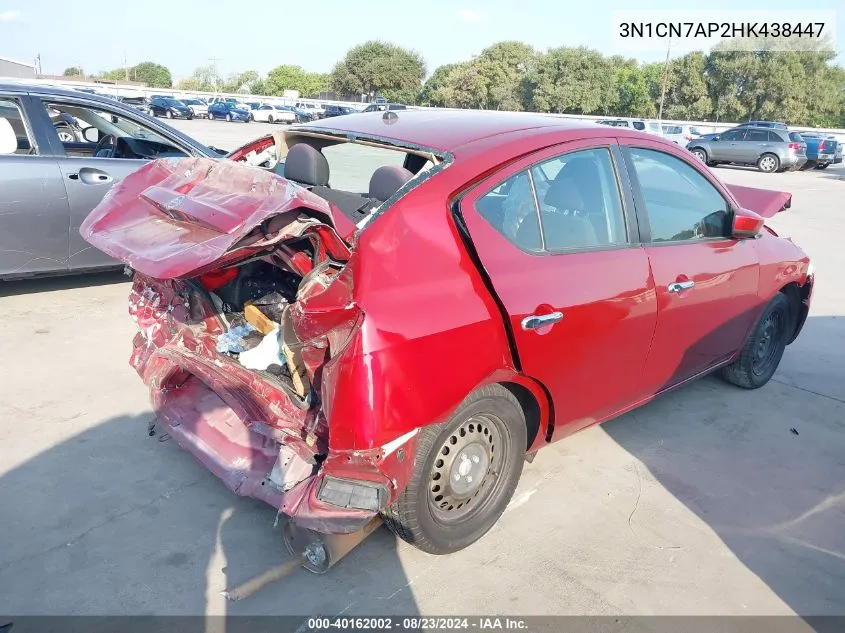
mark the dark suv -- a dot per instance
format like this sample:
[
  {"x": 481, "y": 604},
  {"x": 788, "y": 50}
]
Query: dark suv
[
  {"x": 337, "y": 110},
  {"x": 770, "y": 149},
  {"x": 381, "y": 107}
]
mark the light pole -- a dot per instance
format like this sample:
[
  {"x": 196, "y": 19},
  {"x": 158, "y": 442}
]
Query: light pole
[{"x": 665, "y": 78}]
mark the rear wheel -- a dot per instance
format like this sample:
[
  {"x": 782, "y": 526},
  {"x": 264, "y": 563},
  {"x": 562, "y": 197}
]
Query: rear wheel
[
  {"x": 210, "y": 116},
  {"x": 465, "y": 472},
  {"x": 169, "y": 114},
  {"x": 761, "y": 354},
  {"x": 229, "y": 117},
  {"x": 822, "y": 166},
  {"x": 270, "y": 119},
  {"x": 768, "y": 163}
]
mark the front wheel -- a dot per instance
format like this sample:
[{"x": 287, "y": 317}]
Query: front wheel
[
  {"x": 822, "y": 166},
  {"x": 169, "y": 114},
  {"x": 229, "y": 118},
  {"x": 761, "y": 354},
  {"x": 210, "y": 116},
  {"x": 270, "y": 119},
  {"x": 700, "y": 154},
  {"x": 768, "y": 163},
  {"x": 465, "y": 472}
]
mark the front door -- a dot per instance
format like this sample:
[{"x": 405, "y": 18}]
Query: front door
[
  {"x": 706, "y": 282},
  {"x": 108, "y": 147},
  {"x": 730, "y": 146},
  {"x": 558, "y": 241},
  {"x": 33, "y": 206}
]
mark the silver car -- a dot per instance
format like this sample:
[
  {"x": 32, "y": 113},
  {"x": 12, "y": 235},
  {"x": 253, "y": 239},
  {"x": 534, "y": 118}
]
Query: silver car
[
  {"x": 60, "y": 152},
  {"x": 770, "y": 150}
]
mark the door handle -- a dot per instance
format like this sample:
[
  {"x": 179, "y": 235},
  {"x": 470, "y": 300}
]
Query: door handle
[
  {"x": 536, "y": 321},
  {"x": 73, "y": 176},
  {"x": 679, "y": 286},
  {"x": 91, "y": 176}
]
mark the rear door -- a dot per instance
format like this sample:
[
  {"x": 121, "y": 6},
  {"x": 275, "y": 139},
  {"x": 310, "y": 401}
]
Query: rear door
[
  {"x": 33, "y": 205},
  {"x": 558, "y": 240},
  {"x": 706, "y": 282},
  {"x": 756, "y": 144}
]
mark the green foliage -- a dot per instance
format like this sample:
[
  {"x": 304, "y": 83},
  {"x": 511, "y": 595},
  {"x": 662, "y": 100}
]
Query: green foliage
[
  {"x": 73, "y": 71},
  {"x": 152, "y": 74},
  {"x": 572, "y": 80},
  {"x": 287, "y": 77},
  {"x": 377, "y": 67}
]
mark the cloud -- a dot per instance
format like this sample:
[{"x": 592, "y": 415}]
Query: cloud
[
  {"x": 470, "y": 15},
  {"x": 9, "y": 16}
]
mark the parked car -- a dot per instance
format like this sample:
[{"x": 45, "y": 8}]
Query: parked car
[
  {"x": 767, "y": 124},
  {"x": 170, "y": 108},
  {"x": 269, "y": 113},
  {"x": 336, "y": 110},
  {"x": 769, "y": 149},
  {"x": 346, "y": 408},
  {"x": 229, "y": 111},
  {"x": 650, "y": 126},
  {"x": 139, "y": 103},
  {"x": 198, "y": 108},
  {"x": 821, "y": 150},
  {"x": 302, "y": 116},
  {"x": 75, "y": 146},
  {"x": 382, "y": 107},
  {"x": 680, "y": 133},
  {"x": 315, "y": 110}
]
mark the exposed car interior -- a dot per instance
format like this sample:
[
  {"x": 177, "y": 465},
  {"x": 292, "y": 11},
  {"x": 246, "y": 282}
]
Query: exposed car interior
[{"x": 321, "y": 163}]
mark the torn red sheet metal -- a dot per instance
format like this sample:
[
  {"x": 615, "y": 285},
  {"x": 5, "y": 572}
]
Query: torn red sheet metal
[
  {"x": 177, "y": 218},
  {"x": 764, "y": 202}
]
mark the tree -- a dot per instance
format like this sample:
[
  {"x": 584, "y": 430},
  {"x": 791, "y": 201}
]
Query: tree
[
  {"x": 289, "y": 77},
  {"x": 73, "y": 71},
  {"x": 152, "y": 74},
  {"x": 572, "y": 80},
  {"x": 377, "y": 67},
  {"x": 240, "y": 82},
  {"x": 463, "y": 87},
  {"x": 432, "y": 84},
  {"x": 633, "y": 95},
  {"x": 687, "y": 95},
  {"x": 503, "y": 66}
]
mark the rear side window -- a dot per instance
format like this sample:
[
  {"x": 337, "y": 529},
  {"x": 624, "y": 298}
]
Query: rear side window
[
  {"x": 14, "y": 135},
  {"x": 760, "y": 136},
  {"x": 795, "y": 137},
  {"x": 681, "y": 204},
  {"x": 694, "y": 130},
  {"x": 639, "y": 125},
  {"x": 774, "y": 137},
  {"x": 575, "y": 196},
  {"x": 672, "y": 129}
]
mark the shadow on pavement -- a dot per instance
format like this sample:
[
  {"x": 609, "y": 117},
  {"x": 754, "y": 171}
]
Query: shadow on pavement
[
  {"x": 62, "y": 282},
  {"x": 94, "y": 518},
  {"x": 772, "y": 488}
]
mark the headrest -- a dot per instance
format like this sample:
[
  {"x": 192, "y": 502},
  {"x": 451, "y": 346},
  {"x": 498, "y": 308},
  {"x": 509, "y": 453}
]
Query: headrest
[
  {"x": 307, "y": 166},
  {"x": 387, "y": 180},
  {"x": 8, "y": 138},
  {"x": 570, "y": 187}
]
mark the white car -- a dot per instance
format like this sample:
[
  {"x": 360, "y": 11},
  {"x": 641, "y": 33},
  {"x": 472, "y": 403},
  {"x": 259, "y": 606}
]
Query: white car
[
  {"x": 315, "y": 110},
  {"x": 199, "y": 108},
  {"x": 680, "y": 134},
  {"x": 272, "y": 114},
  {"x": 650, "y": 126}
]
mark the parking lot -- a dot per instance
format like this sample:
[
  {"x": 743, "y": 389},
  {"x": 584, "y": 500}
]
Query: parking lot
[{"x": 711, "y": 500}]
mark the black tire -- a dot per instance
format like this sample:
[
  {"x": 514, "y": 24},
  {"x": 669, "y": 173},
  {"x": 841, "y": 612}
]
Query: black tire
[
  {"x": 270, "y": 119},
  {"x": 768, "y": 163},
  {"x": 169, "y": 114},
  {"x": 441, "y": 518},
  {"x": 209, "y": 116},
  {"x": 825, "y": 166},
  {"x": 229, "y": 118},
  {"x": 760, "y": 356},
  {"x": 700, "y": 153}
]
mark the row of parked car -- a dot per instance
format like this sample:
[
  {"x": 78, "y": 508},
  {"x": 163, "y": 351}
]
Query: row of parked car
[{"x": 769, "y": 145}]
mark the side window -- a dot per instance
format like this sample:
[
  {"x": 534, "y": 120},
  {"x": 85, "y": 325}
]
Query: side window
[
  {"x": 89, "y": 125},
  {"x": 512, "y": 211},
  {"x": 653, "y": 127},
  {"x": 580, "y": 203},
  {"x": 732, "y": 135},
  {"x": 758, "y": 136},
  {"x": 680, "y": 202},
  {"x": 14, "y": 135},
  {"x": 639, "y": 125}
]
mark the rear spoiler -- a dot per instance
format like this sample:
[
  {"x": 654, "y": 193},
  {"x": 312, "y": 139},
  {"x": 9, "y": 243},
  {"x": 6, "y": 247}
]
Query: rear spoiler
[{"x": 763, "y": 202}]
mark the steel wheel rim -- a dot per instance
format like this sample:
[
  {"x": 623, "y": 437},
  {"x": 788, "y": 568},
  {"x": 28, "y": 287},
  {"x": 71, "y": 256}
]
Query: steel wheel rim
[
  {"x": 464, "y": 476},
  {"x": 766, "y": 347},
  {"x": 700, "y": 155},
  {"x": 767, "y": 163}
]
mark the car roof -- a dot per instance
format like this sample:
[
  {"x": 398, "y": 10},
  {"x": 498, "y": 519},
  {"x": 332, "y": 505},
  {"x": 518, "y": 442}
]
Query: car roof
[{"x": 445, "y": 130}]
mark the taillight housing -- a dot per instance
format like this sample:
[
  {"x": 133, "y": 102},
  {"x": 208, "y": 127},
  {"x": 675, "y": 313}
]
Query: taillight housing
[
  {"x": 821, "y": 146},
  {"x": 795, "y": 146}
]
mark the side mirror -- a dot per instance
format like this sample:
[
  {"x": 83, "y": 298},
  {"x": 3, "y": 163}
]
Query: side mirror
[
  {"x": 717, "y": 138},
  {"x": 91, "y": 134},
  {"x": 746, "y": 224}
]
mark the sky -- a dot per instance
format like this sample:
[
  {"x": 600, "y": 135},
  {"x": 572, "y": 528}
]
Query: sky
[{"x": 261, "y": 34}]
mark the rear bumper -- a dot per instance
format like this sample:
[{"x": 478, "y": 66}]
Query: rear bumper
[{"x": 793, "y": 161}]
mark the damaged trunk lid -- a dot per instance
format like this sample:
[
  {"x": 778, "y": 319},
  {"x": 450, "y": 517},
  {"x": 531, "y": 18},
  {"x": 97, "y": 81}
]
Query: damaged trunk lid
[
  {"x": 764, "y": 202},
  {"x": 177, "y": 218}
]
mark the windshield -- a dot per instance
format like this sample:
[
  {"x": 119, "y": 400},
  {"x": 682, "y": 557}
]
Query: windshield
[
  {"x": 173, "y": 102},
  {"x": 795, "y": 137},
  {"x": 109, "y": 123}
]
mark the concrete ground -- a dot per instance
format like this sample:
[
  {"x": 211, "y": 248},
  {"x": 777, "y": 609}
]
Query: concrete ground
[{"x": 711, "y": 500}]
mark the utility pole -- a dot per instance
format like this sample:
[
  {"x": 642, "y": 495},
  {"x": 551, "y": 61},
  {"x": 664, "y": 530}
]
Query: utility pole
[
  {"x": 125, "y": 66},
  {"x": 665, "y": 78}
]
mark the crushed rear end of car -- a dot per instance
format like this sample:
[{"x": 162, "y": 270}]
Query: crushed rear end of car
[{"x": 242, "y": 293}]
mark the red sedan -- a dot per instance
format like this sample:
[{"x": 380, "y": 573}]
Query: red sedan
[{"x": 343, "y": 342}]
